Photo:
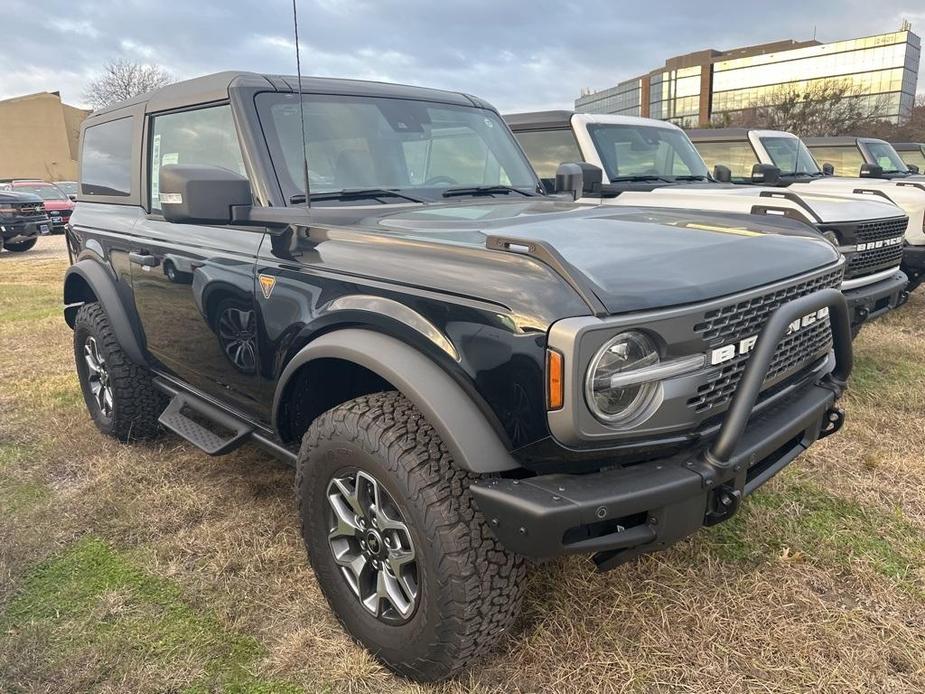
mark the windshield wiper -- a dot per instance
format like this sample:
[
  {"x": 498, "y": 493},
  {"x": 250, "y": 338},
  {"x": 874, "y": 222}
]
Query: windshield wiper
[
  {"x": 641, "y": 177},
  {"x": 350, "y": 193},
  {"x": 484, "y": 190},
  {"x": 691, "y": 178}
]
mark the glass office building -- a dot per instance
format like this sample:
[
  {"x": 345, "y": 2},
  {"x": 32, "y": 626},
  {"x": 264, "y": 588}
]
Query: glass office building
[{"x": 701, "y": 87}]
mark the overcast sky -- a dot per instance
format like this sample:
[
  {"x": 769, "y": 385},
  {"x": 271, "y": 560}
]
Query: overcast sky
[{"x": 518, "y": 55}]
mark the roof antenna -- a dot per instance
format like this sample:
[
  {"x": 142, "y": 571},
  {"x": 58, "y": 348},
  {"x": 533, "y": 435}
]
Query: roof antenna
[{"x": 298, "y": 70}]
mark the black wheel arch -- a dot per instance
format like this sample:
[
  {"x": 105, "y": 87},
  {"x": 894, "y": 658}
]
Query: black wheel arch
[
  {"x": 88, "y": 281},
  {"x": 464, "y": 423}
]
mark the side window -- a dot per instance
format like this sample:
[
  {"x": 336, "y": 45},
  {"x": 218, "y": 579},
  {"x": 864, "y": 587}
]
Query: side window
[
  {"x": 205, "y": 137},
  {"x": 106, "y": 159},
  {"x": 738, "y": 156},
  {"x": 546, "y": 149},
  {"x": 846, "y": 160}
]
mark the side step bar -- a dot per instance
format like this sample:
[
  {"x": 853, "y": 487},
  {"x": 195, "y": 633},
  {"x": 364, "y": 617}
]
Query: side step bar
[
  {"x": 212, "y": 429},
  {"x": 189, "y": 418}
]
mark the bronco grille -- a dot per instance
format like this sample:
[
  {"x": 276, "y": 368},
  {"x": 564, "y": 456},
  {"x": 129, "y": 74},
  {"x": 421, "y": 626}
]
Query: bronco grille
[
  {"x": 871, "y": 260},
  {"x": 735, "y": 322}
]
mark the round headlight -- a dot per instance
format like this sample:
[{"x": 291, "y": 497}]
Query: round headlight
[{"x": 622, "y": 355}]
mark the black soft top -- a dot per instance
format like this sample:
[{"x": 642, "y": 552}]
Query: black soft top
[
  {"x": 539, "y": 119},
  {"x": 215, "y": 87},
  {"x": 907, "y": 146},
  {"x": 839, "y": 141}
]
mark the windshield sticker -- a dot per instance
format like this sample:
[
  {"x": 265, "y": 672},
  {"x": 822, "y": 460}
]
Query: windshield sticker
[{"x": 156, "y": 174}]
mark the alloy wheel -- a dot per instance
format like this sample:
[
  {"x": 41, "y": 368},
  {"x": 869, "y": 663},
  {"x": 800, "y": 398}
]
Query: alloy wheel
[
  {"x": 98, "y": 376},
  {"x": 372, "y": 546}
]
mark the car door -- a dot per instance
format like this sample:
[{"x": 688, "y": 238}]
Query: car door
[{"x": 194, "y": 284}]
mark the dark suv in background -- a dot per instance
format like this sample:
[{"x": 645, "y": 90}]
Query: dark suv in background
[
  {"x": 57, "y": 203},
  {"x": 22, "y": 220},
  {"x": 464, "y": 371}
]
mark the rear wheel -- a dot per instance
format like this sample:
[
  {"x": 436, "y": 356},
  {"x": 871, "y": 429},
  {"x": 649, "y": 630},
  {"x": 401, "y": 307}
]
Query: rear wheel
[
  {"x": 404, "y": 558},
  {"x": 118, "y": 393},
  {"x": 20, "y": 246}
]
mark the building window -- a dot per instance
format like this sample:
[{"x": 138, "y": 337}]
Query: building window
[
  {"x": 106, "y": 161},
  {"x": 204, "y": 137},
  {"x": 546, "y": 149}
]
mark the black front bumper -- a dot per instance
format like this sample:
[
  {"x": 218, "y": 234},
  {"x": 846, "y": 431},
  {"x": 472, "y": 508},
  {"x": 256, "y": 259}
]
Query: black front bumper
[
  {"x": 16, "y": 231},
  {"x": 623, "y": 512},
  {"x": 914, "y": 265},
  {"x": 874, "y": 300}
]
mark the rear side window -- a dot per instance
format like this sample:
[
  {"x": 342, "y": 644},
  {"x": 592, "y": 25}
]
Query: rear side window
[
  {"x": 106, "y": 162},
  {"x": 847, "y": 161},
  {"x": 204, "y": 137},
  {"x": 546, "y": 149},
  {"x": 738, "y": 156}
]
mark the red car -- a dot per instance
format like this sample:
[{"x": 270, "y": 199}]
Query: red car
[{"x": 58, "y": 205}]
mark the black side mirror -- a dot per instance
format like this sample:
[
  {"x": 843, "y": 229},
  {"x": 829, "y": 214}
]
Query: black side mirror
[
  {"x": 72, "y": 197},
  {"x": 913, "y": 168},
  {"x": 765, "y": 174},
  {"x": 871, "y": 171},
  {"x": 722, "y": 174},
  {"x": 201, "y": 194},
  {"x": 828, "y": 169},
  {"x": 570, "y": 180},
  {"x": 592, "y": 178}
]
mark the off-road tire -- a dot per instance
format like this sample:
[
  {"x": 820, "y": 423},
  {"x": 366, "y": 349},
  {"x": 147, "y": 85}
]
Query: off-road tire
[
  {"x": 136, "y": 402},
  {"x": 470, "y": 586},
  {"x": 21, "y": 246}
]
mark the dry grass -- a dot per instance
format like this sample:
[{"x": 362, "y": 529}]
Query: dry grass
[{"x": 154, "y": 568}]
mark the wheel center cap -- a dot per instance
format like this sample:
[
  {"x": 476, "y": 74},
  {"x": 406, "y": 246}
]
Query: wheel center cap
[{"x": 374, "y": 542}]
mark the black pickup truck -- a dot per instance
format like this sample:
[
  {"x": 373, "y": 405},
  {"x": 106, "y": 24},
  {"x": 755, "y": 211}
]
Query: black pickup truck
[
  {"x": 464, "y": 371},
  {"x": 22, "y": 220}
]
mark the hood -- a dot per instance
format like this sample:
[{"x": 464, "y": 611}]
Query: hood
[
  {"x": 12, "y": 196},
  {"x": 828, "y": 207},
  {"x": 632, "y": 258}
]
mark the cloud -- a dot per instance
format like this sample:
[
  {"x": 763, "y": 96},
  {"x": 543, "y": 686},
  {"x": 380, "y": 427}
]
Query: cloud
[{"x": 517, "y": 55}]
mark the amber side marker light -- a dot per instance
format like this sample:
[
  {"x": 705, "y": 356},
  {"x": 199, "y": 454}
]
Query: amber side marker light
[{"x": 554, "y": 380}]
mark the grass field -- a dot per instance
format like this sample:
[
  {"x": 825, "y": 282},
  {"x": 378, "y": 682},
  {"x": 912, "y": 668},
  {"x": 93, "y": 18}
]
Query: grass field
[{"x": 154, "y": 568}]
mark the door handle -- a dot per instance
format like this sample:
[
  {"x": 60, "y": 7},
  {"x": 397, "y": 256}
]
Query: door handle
[{"x": 145, "y": 259}]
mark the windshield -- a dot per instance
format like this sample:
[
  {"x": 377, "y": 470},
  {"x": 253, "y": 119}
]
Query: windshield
[
  {"x": 738, "y": 156},
  {"x": 790, "y": 155},
  {"x": 69, "y": 187},
  {"x": 642, "y": 151},
  {"x": 885, "y": 157},
  {"x": 419, "y": 148},
  {"x": 46, "y": 192}
]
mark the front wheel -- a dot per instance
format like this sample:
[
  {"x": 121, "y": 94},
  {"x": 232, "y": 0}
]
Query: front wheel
[
  {"x": 119, "y": 394},
  {"x": 21, "y": 246},
  {"x": 402, "y": 555}
]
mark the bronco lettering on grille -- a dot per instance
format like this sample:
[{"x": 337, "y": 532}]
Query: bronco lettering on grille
[{"x": 727, "y": 352}]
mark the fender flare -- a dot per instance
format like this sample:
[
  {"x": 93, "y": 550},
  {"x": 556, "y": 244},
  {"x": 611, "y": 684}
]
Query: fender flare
[
  {"x": 463, "y": 427},
  {"x": 104, "y": 288}
]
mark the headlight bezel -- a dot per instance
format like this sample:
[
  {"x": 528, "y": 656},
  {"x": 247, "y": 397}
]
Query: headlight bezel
[{"x": 647, "y": 391}]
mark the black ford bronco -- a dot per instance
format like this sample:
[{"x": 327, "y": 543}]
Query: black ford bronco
[{"x": 464, "y": 371}]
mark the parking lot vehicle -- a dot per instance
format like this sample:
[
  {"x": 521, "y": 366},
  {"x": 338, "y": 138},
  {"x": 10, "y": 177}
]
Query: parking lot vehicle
[
  {"x": 57, "y": 204},
  {"x": 912, "y": 154},
  {"x": 69, "y": 188},
  {"x": 22, "y": 220},
  {"x": 652, "y": 163},
  {"x": 867, "y": 157},
  {"x": 741, "y": 150},
  {"x": 464, "y": 371}
]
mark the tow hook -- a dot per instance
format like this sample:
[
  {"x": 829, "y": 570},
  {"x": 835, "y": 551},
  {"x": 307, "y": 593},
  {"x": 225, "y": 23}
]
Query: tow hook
[
  {"x": 834, "y": 419},
  {"x": 724, "y": 502}
]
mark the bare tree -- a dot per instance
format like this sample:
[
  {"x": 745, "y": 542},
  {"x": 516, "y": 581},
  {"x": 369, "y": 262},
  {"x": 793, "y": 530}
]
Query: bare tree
[
  {"x": 123, "y": 79},
  {"x": 827, "y": 108}
]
